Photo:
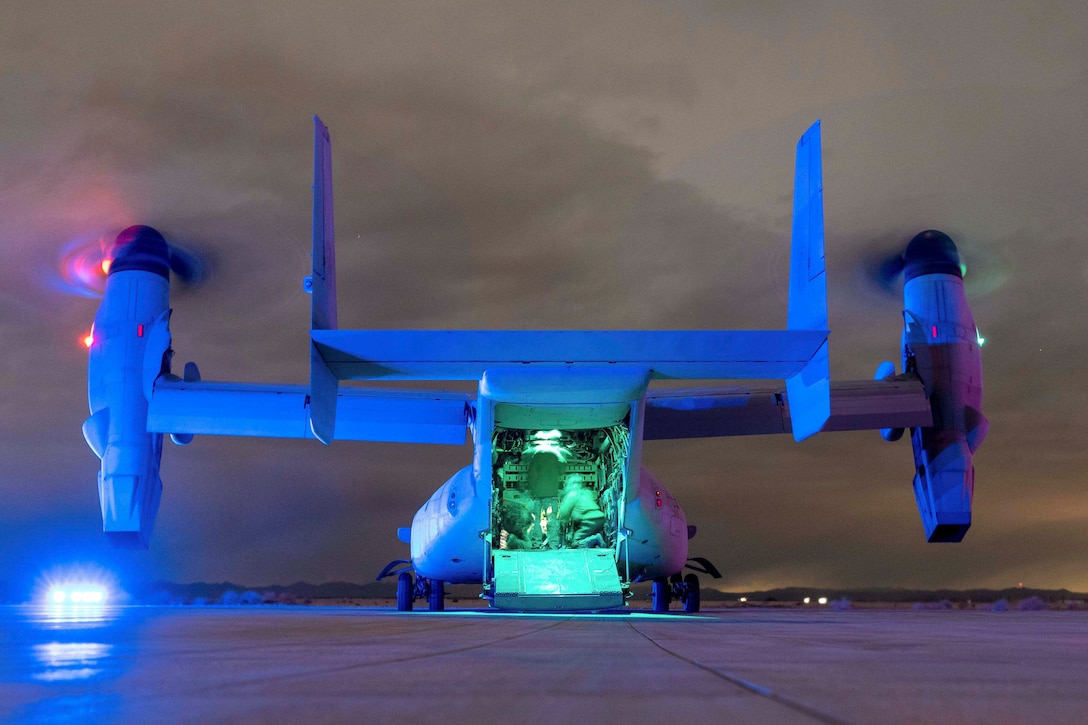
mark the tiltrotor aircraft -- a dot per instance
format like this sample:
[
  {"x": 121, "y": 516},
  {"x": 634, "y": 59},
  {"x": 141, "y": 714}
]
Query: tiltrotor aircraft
[{"x": 555, "y": 511}]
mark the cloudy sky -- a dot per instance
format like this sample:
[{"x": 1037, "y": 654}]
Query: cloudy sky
[{"x": 559, "y": 165}]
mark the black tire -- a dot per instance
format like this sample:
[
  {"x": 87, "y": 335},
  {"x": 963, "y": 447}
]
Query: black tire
[
  {"x": 404, "y": 592},
  {"x": 662, "y": 594},
  {"x": 691, "y": 594},
  {"x": 436, "y": 601}
]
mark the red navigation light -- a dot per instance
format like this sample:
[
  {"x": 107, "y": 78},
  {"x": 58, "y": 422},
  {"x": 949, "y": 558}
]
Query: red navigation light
[
  {"x": 139, "y": 330},
  {"x": 934, "y": 332}
]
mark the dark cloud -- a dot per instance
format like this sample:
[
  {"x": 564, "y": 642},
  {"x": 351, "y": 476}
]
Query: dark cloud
[{"x": 555, "y": 168}]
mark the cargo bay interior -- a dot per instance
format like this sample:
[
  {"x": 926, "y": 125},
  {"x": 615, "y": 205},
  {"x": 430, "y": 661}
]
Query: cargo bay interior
[{"x": 558, "y": 488}]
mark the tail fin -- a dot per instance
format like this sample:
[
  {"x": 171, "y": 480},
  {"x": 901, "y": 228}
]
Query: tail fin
[
  {"x": 322, "y": 285},
  {"x": 809, "y": 391},
  {"x": 323, "y": 305}
]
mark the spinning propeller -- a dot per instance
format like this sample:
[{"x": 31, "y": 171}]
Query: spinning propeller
[
  {"x": 928, "y": 252},
  {"x": 84, "y": 262},
  {"x": 881, "y": 269}
]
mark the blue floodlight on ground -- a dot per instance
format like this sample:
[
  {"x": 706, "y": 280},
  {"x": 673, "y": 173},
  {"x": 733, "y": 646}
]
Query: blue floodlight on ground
[
  {"x": 80, "y": 594},
  {"x": 76, "y": 587}
]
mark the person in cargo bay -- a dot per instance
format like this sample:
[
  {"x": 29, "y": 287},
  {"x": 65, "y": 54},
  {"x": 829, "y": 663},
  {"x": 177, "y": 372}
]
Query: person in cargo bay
[
  {"x": 542, "y": 486},
  {"x": 580, "y": 515}
]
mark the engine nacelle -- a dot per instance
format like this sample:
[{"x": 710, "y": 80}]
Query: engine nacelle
[
  {"x": 130, "y": 348},
  {"x": 941, "y": 346}
]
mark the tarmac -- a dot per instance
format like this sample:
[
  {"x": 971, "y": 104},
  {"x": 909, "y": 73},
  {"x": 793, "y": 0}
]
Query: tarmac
[{"x": 375, "y": 665}]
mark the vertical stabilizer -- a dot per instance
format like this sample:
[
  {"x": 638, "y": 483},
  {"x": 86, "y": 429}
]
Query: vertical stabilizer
[
  {"x": 322, "y": 286},
  {"x": 323, "y": 305},
  {"x": 809, "y": 391}
]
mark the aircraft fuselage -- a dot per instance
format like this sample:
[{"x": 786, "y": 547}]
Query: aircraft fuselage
[{"x": 557, "y": 469}]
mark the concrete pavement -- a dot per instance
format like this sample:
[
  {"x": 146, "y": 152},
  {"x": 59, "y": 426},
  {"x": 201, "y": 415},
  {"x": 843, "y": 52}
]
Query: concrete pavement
[{"x": 373, "y": 665}]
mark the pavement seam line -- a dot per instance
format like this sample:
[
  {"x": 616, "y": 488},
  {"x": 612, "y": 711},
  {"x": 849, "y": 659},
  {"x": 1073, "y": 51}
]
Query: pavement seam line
[
  {"x": 358, "y": 665},
  {"x": 745, "y": 684}
]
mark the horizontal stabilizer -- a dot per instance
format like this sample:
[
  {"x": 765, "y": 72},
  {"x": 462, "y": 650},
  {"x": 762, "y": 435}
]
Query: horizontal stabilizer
[
  {"x": 466, "y": 354},
  {"x": 738, "y": 410},
  {"x": 398, "y": 416}
]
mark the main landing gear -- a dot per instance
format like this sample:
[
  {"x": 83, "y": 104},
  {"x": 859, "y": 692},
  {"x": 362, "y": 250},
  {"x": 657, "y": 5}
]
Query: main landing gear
[
  {"x": 404, "y": 592},
  {"x": 409, "y": 589},
  {"x": 685, "y": 589}
]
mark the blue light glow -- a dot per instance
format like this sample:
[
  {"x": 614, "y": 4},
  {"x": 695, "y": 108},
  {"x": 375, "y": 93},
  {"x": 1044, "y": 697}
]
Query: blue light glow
[
  {"x": 66, "y": 661},
  {"x": 80, "y": 591},
  {"x": 78, "y": 594}
]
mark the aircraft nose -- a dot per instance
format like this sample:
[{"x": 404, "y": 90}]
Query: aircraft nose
[
  {"x": 931, "y": 252},
  {"x": 140, "y": 248}
]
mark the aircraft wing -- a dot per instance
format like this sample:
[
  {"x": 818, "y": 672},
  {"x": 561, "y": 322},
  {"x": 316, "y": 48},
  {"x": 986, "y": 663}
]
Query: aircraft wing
[
  {"x": 282, "y": 411},
  {"x": 735, "y": 410}
]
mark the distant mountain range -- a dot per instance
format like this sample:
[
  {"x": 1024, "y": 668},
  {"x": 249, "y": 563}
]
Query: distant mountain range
[
  {"x": 304, "y": 592},
  {"x": 890, "y": 595},
  {"x": 301, "y": 592}
]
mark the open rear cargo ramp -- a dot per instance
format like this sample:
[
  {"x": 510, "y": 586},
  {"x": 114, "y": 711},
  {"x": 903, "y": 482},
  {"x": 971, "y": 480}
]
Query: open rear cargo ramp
[{"x": 558, "y": 580}]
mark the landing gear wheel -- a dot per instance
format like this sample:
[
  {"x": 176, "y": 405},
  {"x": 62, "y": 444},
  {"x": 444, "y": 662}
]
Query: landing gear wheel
[
  {"x": 436, "y": 598},
  {"x": 691, "y": 594},
  {"x": 404, "y": 592},
  {"x": 662, "y": 594}
]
